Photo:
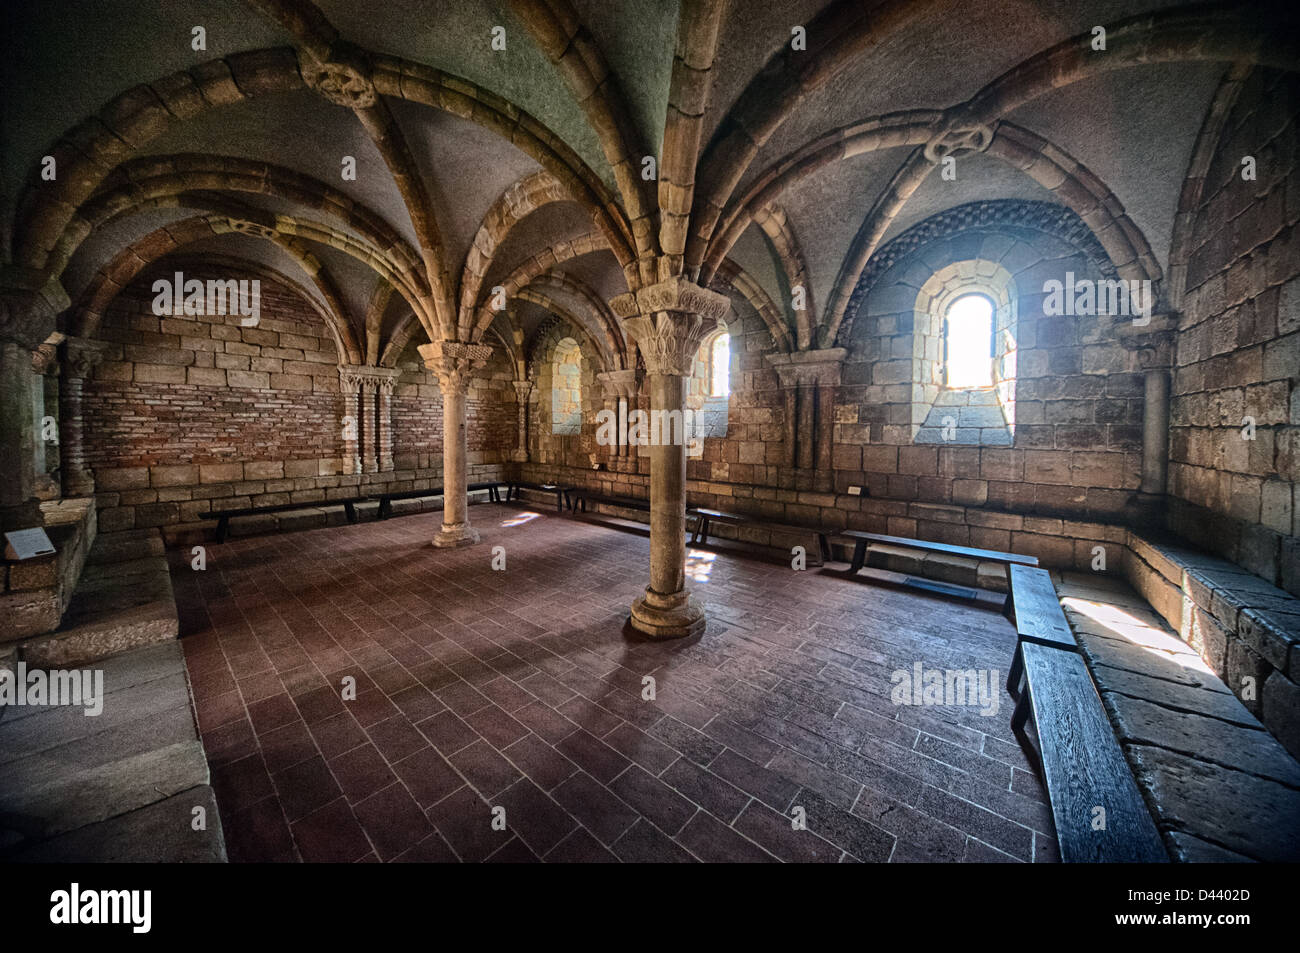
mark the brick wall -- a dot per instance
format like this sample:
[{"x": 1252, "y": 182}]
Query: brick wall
[
  {"x": 1238, "y": 345},
  {"x": 190, "y": 413}
]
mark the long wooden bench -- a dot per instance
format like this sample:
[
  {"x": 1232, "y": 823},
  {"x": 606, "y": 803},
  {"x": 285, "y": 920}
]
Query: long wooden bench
[
  {"x": 863, "y": 540},
  {"x": 224, "y": 516},
  {"x": 705, "y": 518},
  {"x": 581, "y": 497},
  {"x": 562, "y": 493},
  {"x": 386, "y": 499},
  {"x": 1078, "y": 756}
]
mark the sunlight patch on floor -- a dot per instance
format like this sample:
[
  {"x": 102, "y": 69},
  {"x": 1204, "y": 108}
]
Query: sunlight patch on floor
[{"x": 1129, "y": 627}]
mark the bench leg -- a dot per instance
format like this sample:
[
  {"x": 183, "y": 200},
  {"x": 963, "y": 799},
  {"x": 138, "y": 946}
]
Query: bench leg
[
  {"x": 223, "y": 526},
  {"x": 351, "y": 511},
  {"x": 1018, "y": 719},
  {"x": 824, "y": 544},
  {"x": 559, "y": 502},
  {"x": 859, "y": 555},
  {"x": 1013, "y": 676},
  {"x": 385, "y": 509}
]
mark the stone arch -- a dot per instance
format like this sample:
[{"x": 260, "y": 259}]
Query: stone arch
[
  {"x": 560, "y": 339},
  {"x": 513, "y": 205},
  {"x": 114, "y": 276}
]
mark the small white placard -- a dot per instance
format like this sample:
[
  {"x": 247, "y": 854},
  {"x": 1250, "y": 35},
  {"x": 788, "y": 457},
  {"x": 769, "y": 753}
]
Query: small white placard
[{"x": 27, "y": 544}]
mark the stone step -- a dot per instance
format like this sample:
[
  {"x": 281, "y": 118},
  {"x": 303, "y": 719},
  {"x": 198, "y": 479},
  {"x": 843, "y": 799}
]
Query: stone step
[
  {"x": 123, "y": 601},
  {"x": 117, "y": 781},
  {"x": 128, "y": 544}
]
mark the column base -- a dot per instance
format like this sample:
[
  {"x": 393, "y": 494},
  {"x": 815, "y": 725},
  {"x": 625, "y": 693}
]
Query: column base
[
  {"x": 519, "y": 456},
  {"x": 673, "y": 616},
  {"x": 461, "y": 534}
]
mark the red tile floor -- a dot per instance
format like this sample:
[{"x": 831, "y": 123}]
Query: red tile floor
[{"x": 519, "y": 689}]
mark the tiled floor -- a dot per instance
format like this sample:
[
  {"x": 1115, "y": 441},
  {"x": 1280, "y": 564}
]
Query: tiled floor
[{"x": 518, "y": 689}]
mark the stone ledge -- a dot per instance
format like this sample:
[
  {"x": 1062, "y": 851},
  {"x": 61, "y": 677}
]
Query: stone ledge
[{"x": 1220, "y": 786}]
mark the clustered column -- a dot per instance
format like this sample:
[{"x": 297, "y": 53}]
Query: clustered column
[
  {"x": 522, "y": 390},
  {"x": 1153, "y": 342},
  {"x": 349, "y": 389},
  {"x": 28, "y": 305},
  {"x": 618, "y": 388},
  {"x": 368, "y": 407},
  {"x": 668, "y": 321},
  {"x": 810, "y": 381},
  {"x": 79, "y": 358},
  {"x": 454, "y": 363}
]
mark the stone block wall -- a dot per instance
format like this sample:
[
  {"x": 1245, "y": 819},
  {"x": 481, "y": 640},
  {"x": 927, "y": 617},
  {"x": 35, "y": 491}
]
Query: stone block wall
[
  {"x": 188, "y": 414},
  {"x": 1235, "y": 406}
]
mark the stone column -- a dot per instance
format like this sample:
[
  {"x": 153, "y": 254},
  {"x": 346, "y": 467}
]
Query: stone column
[
  {"x": 79, "y": 358},
  {"x": 385, "y": 423},
  {"x": 454, "y": 363},
  {"x": 1153, "y": 343},
  {"x": 618, "y": 389},
  {"x": 369, "y": 441},
  {"x": 814, "y": 376},
  {"x": 28, "y": 305},
  {"x": 668, "y": 321},
  {"x": 349, "y": 388},
  {"x": 522, "y": 390}
]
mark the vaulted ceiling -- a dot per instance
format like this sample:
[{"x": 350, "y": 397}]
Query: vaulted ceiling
[{"x": 502, "y": 143}]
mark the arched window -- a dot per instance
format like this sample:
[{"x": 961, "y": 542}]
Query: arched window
[
  {"x": 566, "y": 388},
  {"x": 968, "y": 342},
  {"x": 720, "y": 366}
]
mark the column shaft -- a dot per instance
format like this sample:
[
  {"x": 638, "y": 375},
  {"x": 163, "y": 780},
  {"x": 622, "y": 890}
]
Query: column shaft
[{"x": 1155, "y": 430}]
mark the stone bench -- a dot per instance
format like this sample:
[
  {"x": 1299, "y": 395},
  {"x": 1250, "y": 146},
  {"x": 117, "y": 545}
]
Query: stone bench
[{"x": 1246, "y": 630}]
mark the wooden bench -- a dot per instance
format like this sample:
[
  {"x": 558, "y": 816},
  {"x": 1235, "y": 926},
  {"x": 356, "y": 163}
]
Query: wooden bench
[
  {"x": 862, "y": 540},
  {"x": 561, "y": 492},
  {"x": 386, "y": 499},
  {"x": 223, "y": 516},
  {"x": 1078, "y": 756},
  {"x": 705, "y": 518},
  {"x": 582, "y": 497},
  {"x": 1035, "y": 611}
]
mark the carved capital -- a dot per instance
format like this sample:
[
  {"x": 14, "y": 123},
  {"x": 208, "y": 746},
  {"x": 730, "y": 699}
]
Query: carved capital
[
  {"x": 818, "y": 368},
  {"x": 668, "y": 320},
  {"x": 1152, "y": 338},
  {"x": 522, "y": 390},
  {"x": 454, "y": 362},
  {"x": 29, "y": 304},
  {"x": 678, "y": 294},
  {"x": 343, "y": 78},
  {"x": 616, "y": 384},
  {"x": 669, "y": 339},
  {"x": 80, "y": 356}
]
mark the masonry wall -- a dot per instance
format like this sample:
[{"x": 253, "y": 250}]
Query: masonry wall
[
  {"x": 1234, "y": 486},
  {"x": 192, "y": 413},
  {"x": 1076, "y": 458}
]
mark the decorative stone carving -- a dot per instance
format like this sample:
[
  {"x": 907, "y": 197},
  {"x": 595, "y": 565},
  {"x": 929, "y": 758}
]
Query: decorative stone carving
[
  {"x": 256, "y": 229},
  {"x": 616, "y": 384},
  {"x": 29, "y": 305},
  {"x": 958, "y": 141},
  {"x": 454, "y": 362},
  {"x": 343, "y": 79},
  {"x": 669, "y": 320}
]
